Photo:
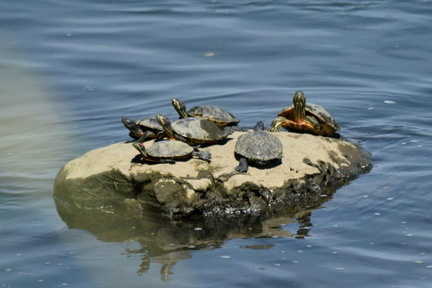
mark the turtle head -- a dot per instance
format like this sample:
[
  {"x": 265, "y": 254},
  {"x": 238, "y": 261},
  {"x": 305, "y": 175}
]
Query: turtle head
[
  {"x": 140, "y": 147},
  {"x": 180, "y": 107},
  {"x": 259, "y": 126},
  {"x": 135, "y": 130},
  {"x": 299, "y": 102},
  {"x": 166, "y": 125}
]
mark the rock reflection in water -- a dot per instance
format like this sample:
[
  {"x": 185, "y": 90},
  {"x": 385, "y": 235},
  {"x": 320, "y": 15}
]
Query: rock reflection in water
[{"x": 168, "y": 242}]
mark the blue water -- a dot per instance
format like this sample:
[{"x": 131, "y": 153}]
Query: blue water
[{"x": 71, "y": 69}]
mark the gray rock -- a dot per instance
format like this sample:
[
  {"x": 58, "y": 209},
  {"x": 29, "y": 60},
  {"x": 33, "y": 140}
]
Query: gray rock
[{"x": 110, "y": 180}]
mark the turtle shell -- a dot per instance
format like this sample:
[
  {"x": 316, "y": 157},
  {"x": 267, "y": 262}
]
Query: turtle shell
[
  {"x": 215, "y": 114},
  {"x": 327, "y": 122},
  {"x": 198, "y": 131},
  {"x": 168, "y": 149},
  {"x": 149, "y": 123},
  {"x": 259, "y": 147}
]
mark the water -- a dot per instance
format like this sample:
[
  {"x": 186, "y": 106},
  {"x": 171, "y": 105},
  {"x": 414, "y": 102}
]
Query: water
[{"x": 71, "y": 69}]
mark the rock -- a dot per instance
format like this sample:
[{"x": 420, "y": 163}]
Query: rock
[{"x": 111, "y": 179}]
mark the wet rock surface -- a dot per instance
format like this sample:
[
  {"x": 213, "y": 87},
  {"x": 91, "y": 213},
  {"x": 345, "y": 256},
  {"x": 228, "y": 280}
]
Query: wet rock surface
[{"x": 112, "y": 180}]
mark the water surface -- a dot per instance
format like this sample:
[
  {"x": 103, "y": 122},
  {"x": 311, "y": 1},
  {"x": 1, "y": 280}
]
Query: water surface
[{"x": 71, "y": 69}]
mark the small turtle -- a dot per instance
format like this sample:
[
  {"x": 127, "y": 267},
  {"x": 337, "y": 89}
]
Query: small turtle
[
  {"x": 305, "y": 117},
  {"x": 193, "y": 131},
  {"x": 259, "y": 148},
  {"x": 213, "y": 113},
  {"x": 167, "y": 151},
  {"x": 145, "y": 128}
]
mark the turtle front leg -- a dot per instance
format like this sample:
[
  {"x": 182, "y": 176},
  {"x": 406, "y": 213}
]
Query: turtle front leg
[
  {"x": 203, "y": 155},
  {"x": 228, "y": 130},
  {"x": 144, "y": 137},
  {"x": 277, "y": 124},
  {"x": 243, "y": 165},
  {"x": 160, "y": 136},
  {"x": 313, "y": 122}
]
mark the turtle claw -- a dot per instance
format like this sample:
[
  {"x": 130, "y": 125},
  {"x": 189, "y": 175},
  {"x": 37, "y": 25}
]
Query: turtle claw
[
  {"x": 203, "y": 155},
  {"x": 243, "y": 165},
  {"x": 228, "y": 131}
]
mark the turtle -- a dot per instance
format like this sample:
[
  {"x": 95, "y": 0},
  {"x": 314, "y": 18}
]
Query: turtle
[
  {"x": 193, "y": 131},
  {"x": 215, "y": 114},
  {"x": 305, "y": 117},
  {"x": 145, "y": 128},
  {"x": 259, "y": 148},
  {"x": 167, "y": 151}
]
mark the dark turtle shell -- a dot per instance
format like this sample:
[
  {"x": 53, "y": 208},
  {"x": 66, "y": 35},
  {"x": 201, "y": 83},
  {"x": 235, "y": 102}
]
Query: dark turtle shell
[
  {"x": 221, "y": 117},
  {"x": 327, "y": 123},
  {"x": 147, "y": 127},
  {"x": 199, "y": 131},
  {"x": 259, "y": 147},
  {"x": 151, "y": 123},
  {"x": 170, "y": 150},
  {"x": 165, "y": 151},
  {"x": 215, "y": 114}
]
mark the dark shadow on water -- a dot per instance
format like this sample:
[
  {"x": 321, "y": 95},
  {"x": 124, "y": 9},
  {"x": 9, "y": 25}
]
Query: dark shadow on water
[{"x": 168, "y": 242}]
